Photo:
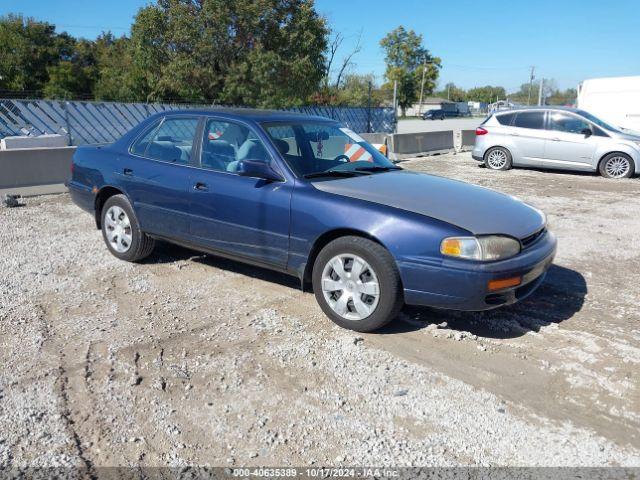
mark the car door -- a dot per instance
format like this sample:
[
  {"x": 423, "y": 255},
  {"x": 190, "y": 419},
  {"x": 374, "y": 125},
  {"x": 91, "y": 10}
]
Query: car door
[
  {"x": 156, "y": 174},
  {"x": 569, "y": 144},
  {"x": 528, "y": 137},
  {"x": 241, "y": 216}
]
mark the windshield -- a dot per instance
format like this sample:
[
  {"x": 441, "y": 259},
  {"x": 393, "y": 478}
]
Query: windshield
[
  {"x": 325, "y": 150},
  {"x": 597, "y": 121}
]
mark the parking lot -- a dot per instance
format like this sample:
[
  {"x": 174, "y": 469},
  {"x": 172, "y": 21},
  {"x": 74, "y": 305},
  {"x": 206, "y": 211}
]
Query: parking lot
[{"x": 191, "y": 359}]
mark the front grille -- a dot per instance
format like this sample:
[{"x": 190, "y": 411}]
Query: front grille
[{"x": 531, "y": 239}]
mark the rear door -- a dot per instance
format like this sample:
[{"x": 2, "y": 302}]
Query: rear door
[
  {"x": 529, "y": 137},
  {"x": 242, "y": 216},
  {"x": 157, "y": 172},
  {"x": 567, "y": 145}
]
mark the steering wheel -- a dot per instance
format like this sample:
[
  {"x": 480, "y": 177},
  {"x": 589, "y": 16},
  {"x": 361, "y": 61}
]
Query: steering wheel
[{"x": 342, "y": 158}]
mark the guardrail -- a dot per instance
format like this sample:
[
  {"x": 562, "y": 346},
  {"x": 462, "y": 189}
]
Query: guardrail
[{"x": 46, "y": 167}]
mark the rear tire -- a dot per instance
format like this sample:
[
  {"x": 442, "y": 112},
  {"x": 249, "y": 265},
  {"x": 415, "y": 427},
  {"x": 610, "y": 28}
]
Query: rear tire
[
  {"x": 617, "y": 165},
  {"x": 363, "y": 292},
  {"x": 498, "y": 158},
  {"x": 121, "y": 231}
]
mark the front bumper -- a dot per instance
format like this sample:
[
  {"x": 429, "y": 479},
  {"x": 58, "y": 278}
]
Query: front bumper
[{"x": 463, "y": 285}]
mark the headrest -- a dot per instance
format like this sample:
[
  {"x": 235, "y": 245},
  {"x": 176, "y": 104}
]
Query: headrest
[{"x": 281, "y": 145}]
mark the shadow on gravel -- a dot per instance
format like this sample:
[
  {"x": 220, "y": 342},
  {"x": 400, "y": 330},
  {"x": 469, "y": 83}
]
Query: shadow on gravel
[
  {"x": 559, "y": 297},
  {"x": 169, "y": 253}
]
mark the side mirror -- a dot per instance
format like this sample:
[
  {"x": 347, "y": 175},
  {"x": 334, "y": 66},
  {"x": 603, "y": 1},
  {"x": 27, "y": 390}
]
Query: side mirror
[
  {"x": 587, "y": 132},
  {"x": 258, "y": 169}
]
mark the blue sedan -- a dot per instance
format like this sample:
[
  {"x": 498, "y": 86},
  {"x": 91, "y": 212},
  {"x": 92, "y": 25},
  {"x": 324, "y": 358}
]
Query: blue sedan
[{"x": 306, "y": 196}]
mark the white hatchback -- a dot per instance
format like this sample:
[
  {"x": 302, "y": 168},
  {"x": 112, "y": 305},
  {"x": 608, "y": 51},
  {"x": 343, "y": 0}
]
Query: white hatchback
[{"x": 556, "y": 137}]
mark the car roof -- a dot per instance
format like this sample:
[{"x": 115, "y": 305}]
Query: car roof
[
  {"x": 541, "y": 108},
  {"x": 257, "y": 115}
]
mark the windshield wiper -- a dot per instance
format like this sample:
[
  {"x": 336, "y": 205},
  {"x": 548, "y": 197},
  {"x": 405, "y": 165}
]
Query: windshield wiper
[
  {"x": 333, "y": 173},
  {"x": 377, "y": 168}
]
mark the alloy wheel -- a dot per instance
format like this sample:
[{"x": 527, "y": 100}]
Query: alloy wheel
[
  {"x": 497, "y": 159},
  {"x": 118, "y": 229},
  {"x": 617, "y": 167},
  {"x": 350, "y": 286}
]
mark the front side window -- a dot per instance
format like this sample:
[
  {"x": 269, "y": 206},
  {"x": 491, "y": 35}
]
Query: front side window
[
  {"x": 533, "y": 120},
  {"x": 563, "y": 122},
  {"x": 325, "y": 149},
  {"x": 171, "y": 141},
  {"x": 225, "y": 144}
]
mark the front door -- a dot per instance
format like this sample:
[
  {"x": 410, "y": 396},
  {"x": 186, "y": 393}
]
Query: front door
[
  {"x": 241, "y": 216},
  {"x": 568, "y": 146},
  {"x": 156, "y": 175}
]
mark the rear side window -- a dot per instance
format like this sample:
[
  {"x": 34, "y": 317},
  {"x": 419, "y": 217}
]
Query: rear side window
[
  {"x": 505, "y": 119},
  {"x": 171, "y": 141},
  {"x": 534, "y": 120}
]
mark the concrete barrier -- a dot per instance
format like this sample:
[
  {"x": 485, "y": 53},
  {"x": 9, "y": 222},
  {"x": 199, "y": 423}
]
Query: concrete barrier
[
  {"x": 41, "y": 141},
  {"x": 468, "y": 139},
  {"x": 422, "y": 143},
  {"x": 35, "y": 167}
]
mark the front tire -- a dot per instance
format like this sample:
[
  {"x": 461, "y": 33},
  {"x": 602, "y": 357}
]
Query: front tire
[
  {"x": 357, "y": 284},
  {"x": 498, "y": 158},
  {"x": 121, "y": 231},
  {"x": 616, "y": 165}
]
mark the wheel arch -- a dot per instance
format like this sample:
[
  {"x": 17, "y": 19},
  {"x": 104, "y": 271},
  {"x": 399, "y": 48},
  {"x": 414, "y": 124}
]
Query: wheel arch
[
  {"x": 634, "y": 161},
  {"x": 326, "y": 238},
  {"x": 102, "y": 196}
]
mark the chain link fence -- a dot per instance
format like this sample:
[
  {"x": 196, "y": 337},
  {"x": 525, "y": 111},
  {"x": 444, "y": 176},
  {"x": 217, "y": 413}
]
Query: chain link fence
[{"x": 104, "y": 122}]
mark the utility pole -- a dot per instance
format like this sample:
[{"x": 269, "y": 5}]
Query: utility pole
[
  {"x": 369, "y": 109},
  {"x": 449, "y": 91},
  {"x": 531, "y": 77},
  {"x": 395, "y": 90},
  {"x": 424, "y": 69},
  {"x": 540, "y": 98}
]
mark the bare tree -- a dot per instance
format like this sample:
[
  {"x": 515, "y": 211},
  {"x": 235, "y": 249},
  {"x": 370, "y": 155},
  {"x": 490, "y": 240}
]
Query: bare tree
[{"x": 336, "y": 41}]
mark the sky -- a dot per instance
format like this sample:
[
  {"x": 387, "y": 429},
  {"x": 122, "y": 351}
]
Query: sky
[{"x": 481, "y": 42}]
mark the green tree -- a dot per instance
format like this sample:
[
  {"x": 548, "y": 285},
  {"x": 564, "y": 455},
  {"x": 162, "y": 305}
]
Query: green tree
[
  {"x": 75, "y": 73},
  {"x": 354, "y": 91},
  {"x": 406, "y": 59},
  {"x": 266, "y": 53},
  {"x": 27, "y": 49},
  {"x": 487, "y": 94},
  {"x": 118, "y": 79},
  {"x": 452, "y": 92}
]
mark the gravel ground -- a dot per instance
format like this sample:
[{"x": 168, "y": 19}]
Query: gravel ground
[{"x": 190, "y": 359}]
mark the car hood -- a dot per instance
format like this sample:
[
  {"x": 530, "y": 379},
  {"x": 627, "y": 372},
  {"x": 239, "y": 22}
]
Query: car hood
[
  {"x": 477, "y": 209},
  {"x": 630, "y": 135}
]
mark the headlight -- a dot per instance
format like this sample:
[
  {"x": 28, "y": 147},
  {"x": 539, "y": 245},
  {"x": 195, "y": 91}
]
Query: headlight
[{"x": 491, "y": 247}]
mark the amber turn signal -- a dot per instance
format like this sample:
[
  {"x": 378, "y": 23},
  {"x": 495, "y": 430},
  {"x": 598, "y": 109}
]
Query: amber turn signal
[{"x": 505, "y": 283}]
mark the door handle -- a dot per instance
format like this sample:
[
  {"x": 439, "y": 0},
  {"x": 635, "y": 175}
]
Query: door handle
[
  {"x": 201, "y": 186},
  {"x": 555, "y": 139},
  {"x": 128, "y": 172}
]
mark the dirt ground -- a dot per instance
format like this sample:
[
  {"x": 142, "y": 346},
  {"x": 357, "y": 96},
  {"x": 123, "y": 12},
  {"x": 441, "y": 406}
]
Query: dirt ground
[{"x": 190, "y": 359}]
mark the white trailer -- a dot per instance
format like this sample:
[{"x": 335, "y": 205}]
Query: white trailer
[{"x": 615, "y": 100}]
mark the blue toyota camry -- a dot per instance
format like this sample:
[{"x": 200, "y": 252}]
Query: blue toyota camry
[{"x": 309, "y": 197}]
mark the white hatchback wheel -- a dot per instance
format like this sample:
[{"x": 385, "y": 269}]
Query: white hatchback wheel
[
  {"x": 350, "y": 287},
  {"x": 118, "y": 229},
  {"x": 497, "y": 159},
  {"x": 617, "y": 166}
]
